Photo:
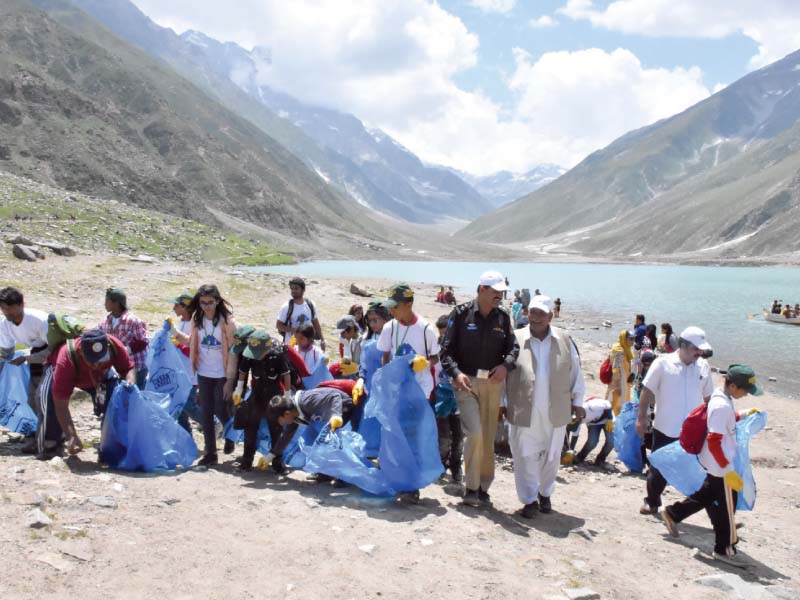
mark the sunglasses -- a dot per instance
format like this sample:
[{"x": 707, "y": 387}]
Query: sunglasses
[{"x": 209, "y": 303}]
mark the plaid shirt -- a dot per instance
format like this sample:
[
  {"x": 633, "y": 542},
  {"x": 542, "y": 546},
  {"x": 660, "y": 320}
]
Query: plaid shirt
[{"x": 128, "y": 330}]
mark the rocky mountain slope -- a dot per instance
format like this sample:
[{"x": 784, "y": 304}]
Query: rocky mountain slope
[
  {"x": 367, "y": 165},
  {"x": 721, "y": 178},
  {"x": 82, "y": 110}
]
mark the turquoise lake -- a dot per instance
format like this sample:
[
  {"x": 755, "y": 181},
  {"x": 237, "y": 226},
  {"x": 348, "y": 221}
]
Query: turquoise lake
[{"x": 721, "y": 300}]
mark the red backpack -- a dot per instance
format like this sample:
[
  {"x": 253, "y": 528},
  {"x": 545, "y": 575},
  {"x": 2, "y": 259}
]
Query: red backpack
[
  {"x": 606, "y": 373},
  {"x": 694, "y": 430}
]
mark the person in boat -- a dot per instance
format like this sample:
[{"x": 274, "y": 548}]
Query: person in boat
[
  {"x": 776, "y": 308},
  {"x": 787, "y": 311}
]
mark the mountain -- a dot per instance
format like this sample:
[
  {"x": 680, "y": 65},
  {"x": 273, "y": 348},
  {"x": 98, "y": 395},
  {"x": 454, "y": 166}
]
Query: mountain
[
  {"x": 504, "y": 186},
  {"x": 367, "y": 165},
  {"x": 82, "y": 110},
  {"x": 720, "y": 179}
]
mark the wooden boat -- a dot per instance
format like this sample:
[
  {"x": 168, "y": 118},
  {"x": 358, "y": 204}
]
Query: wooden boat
[{"x": 781, "y": 319}]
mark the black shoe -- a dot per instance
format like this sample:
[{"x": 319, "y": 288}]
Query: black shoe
[
  {"x": 409, "y": 497},
  {"x": 579, "y": 458},
  {"x": 529, "y": 510},
  {"x": 208, "y": 460},
  {"x": 544, "y": 504},
  {"x": 484, "y": 498},
  {"x": 339, "y": 483},
  {"x": 456, "y": 475},
  {"x": 30, "y": 447},
  {"x": 278, "y": 467},
  {"x": 229, "y": 447},
  {"x": 471, "y": 498},
  {"x": 243, "y": 468}
]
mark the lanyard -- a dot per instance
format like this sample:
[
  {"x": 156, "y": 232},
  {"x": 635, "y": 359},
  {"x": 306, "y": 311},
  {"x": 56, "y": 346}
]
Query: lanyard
[{"x": 396, "y": 335}]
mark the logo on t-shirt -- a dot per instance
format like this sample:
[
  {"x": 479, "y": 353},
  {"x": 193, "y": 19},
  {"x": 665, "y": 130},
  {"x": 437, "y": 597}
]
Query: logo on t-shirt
[{"x": 211, "y": 341}]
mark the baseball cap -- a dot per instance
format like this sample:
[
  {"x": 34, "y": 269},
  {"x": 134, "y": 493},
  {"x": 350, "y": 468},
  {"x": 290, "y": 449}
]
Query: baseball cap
[
  {"x": 258, "y": 344},
  {"x": 346, "y": 322},
  {"x": 696, "y": 337},
  {"x": 118, "y": 295},
  {"x": 745, "y": 378},
  {"x": 543, "y": 303},
  {"x": 240, "y": 336},
  {"x": 494, "y": 279},
  {"x": 400, "y": 292},
  {"x": 94, "y": 346},
  {"x": 185, "y": 298}
]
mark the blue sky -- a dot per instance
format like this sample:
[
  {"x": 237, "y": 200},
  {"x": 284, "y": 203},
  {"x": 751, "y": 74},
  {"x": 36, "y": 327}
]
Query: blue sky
[{"x": 487, "y": 85}]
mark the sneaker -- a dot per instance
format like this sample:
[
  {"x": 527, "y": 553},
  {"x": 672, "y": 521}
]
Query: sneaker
[
  {"x": 671, "y": 525},
  {"x": 471, "y": 498},
  {"x": 207, "y": 460},
  {"x": 544, "y": 504},
  {"x": 729, "y": 557},
  {"x": 529, "y": 510},
  {"x": 229, "y": 447},
  {"x": 646, "y": 509},
  {"x": 484, "y": 498}
]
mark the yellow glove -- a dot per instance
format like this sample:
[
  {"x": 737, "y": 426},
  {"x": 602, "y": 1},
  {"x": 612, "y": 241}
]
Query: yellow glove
[
  {"x": 733, "y": 481},
  {"x": 358, "y": 391},
  {"x": 752, "y": 411},
  {"x": 419, "y": 363},
  {"x": 237, "y": 393},
  {"x": 293, "y": 341},
  {"x": 610, "y": 426},
  {"x": 335, "y": 423},
  {"x": 265, "y": 461},
  {"x": 348, "y": 367}
]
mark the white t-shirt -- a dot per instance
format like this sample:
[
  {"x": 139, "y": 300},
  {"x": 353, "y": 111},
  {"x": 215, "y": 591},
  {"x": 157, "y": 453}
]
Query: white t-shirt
[
  {"x": 301, "y": 313},
  {"x": 400, "y": 340},
  {"x": 185, "y": 327},
  {"x": 210, "y": 360},
  {"x": 720, "y": 418},
  {"x": 32, "y": 332},
  {"x": 311, "y": 356},
  {"x": 678, "y": 389},
  {"x": 595, "y": 407}
]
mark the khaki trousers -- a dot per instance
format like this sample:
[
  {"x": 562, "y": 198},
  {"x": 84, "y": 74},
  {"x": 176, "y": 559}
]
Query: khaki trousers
[{"x": 479, "y": 410}]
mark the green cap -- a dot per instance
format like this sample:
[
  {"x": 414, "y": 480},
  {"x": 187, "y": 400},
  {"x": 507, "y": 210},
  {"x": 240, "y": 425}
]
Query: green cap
[
  {"x": 185, "y": 298},
  {"x": 258, "y": 344},
  {"x": 240, "y": 336},
  {"x": 745, "y": 378},
  {"x": 400, "y": 292}
]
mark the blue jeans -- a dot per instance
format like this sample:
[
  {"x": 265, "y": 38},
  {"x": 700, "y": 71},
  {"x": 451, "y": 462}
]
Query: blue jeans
[
  {"x": 191, "y": 410},
  {"x": 592, "y": 441}
]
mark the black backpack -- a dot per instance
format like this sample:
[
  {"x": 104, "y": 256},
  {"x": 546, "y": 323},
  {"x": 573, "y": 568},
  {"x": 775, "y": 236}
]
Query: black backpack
[{"x": 288, "y": 321}]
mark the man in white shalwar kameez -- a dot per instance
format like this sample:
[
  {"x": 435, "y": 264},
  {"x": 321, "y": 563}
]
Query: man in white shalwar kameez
[{"x": 544, "y": 391}]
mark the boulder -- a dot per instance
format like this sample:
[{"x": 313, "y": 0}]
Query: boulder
[
  {"x": 20, "y": 240},
  {"x": 24, "y": 252},
  {"x": 60, "y": 250},
  {"x": 357, "y": 291}
]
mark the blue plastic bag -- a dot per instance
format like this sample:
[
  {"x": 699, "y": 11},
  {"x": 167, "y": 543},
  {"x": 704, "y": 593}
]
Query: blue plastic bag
[
  {"x": 140, "y": 435},
  {"x": 15, "y": 413},
  {"x": 684, "y": 472},
  {"x": 445, "y": 400},
  {"x": 318, "y": 375},
  {"x": 339, "y": 455},
  {"x": 409, "y": 453},
  {"x": 627, "y": 442},
  {"x": 370, "y": 427},
  {"x": 167, "y": 372}
]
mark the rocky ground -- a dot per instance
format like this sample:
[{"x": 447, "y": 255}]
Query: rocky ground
[{"x": 71, "y": 528}]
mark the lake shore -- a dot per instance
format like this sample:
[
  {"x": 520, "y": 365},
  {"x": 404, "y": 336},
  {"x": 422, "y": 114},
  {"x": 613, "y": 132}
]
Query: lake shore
[{"x": 129, "y": 535}]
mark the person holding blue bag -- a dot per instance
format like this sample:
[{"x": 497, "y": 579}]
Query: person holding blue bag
[
  {"x": 448, "y": 419},
  {"x": 718, "y": 493}
]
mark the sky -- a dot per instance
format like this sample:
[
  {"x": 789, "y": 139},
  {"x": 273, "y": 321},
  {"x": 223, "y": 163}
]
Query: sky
[{"x": 490, "y": 85}]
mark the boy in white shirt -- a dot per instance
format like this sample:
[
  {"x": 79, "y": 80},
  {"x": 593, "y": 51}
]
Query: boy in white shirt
[{"x": 718, "y": 494}]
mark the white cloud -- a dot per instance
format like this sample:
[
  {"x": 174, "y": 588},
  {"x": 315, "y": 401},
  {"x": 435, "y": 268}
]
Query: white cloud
[
  {"x": 773, "y": 24},
  {"x": 394, "y": 65},
  {"x": 497, "y": 6},
  {"x": 543, "y": 22}
]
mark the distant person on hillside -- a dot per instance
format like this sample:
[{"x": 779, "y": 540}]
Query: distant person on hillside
[
  {"x": 298, "y": 310},
  {"x": 128, "y": 329},
  {"x": 639, "y": 331},
  {"x": 667, "y": 341},
  {"x": 557, "y": 308}
]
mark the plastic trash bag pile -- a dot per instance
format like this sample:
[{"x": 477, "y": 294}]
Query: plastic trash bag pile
[
  {"x": 15, "y": 413},
  {"x": 627, "y": 442}
]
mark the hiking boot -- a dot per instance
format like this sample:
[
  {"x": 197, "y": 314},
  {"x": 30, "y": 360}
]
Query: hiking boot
[
  {"x": 671, "y": 525},
  {"x": 646, "y": 509},
  {"x": 729, "y": 557},
  {"x": 471, "y": 498},
  {"x": 544, "y": 504},
  {"x": 529, "y": 510},
  {"x": 229, "y": 447},
  {"x": 484, "y": 498},
  {"x": 208, "y": 460}
]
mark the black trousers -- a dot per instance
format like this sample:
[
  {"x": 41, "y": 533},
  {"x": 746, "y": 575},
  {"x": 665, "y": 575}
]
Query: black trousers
[
  {"x": 209, "y": 393},
  {"x": 719, "y": 501},
  {"x": 451, "y": 441},
  {"x": 258, "y": 410},
  {"x": 655, "y": 481}
]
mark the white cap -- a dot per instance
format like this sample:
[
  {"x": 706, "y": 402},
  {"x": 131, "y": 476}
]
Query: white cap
[
  {"x": 696, "y": 336},
  {"x": 543, "y": 303},
  {"x": 495, "y": 280}
]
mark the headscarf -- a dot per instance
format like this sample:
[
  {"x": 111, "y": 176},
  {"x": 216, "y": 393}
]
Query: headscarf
[{"x": 624, "y": 345}]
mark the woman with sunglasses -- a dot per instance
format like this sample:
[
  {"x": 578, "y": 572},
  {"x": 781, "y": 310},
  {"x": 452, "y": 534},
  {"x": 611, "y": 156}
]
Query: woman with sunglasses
[{"x": 211, "y": 336}]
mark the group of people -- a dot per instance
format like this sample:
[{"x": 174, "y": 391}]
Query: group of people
[
  {"x": 474, "y": 365},
  {"x": 785, "y": 310}
]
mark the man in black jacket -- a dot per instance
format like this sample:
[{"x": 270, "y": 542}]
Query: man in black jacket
[{"x": 478, "y": 351}]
